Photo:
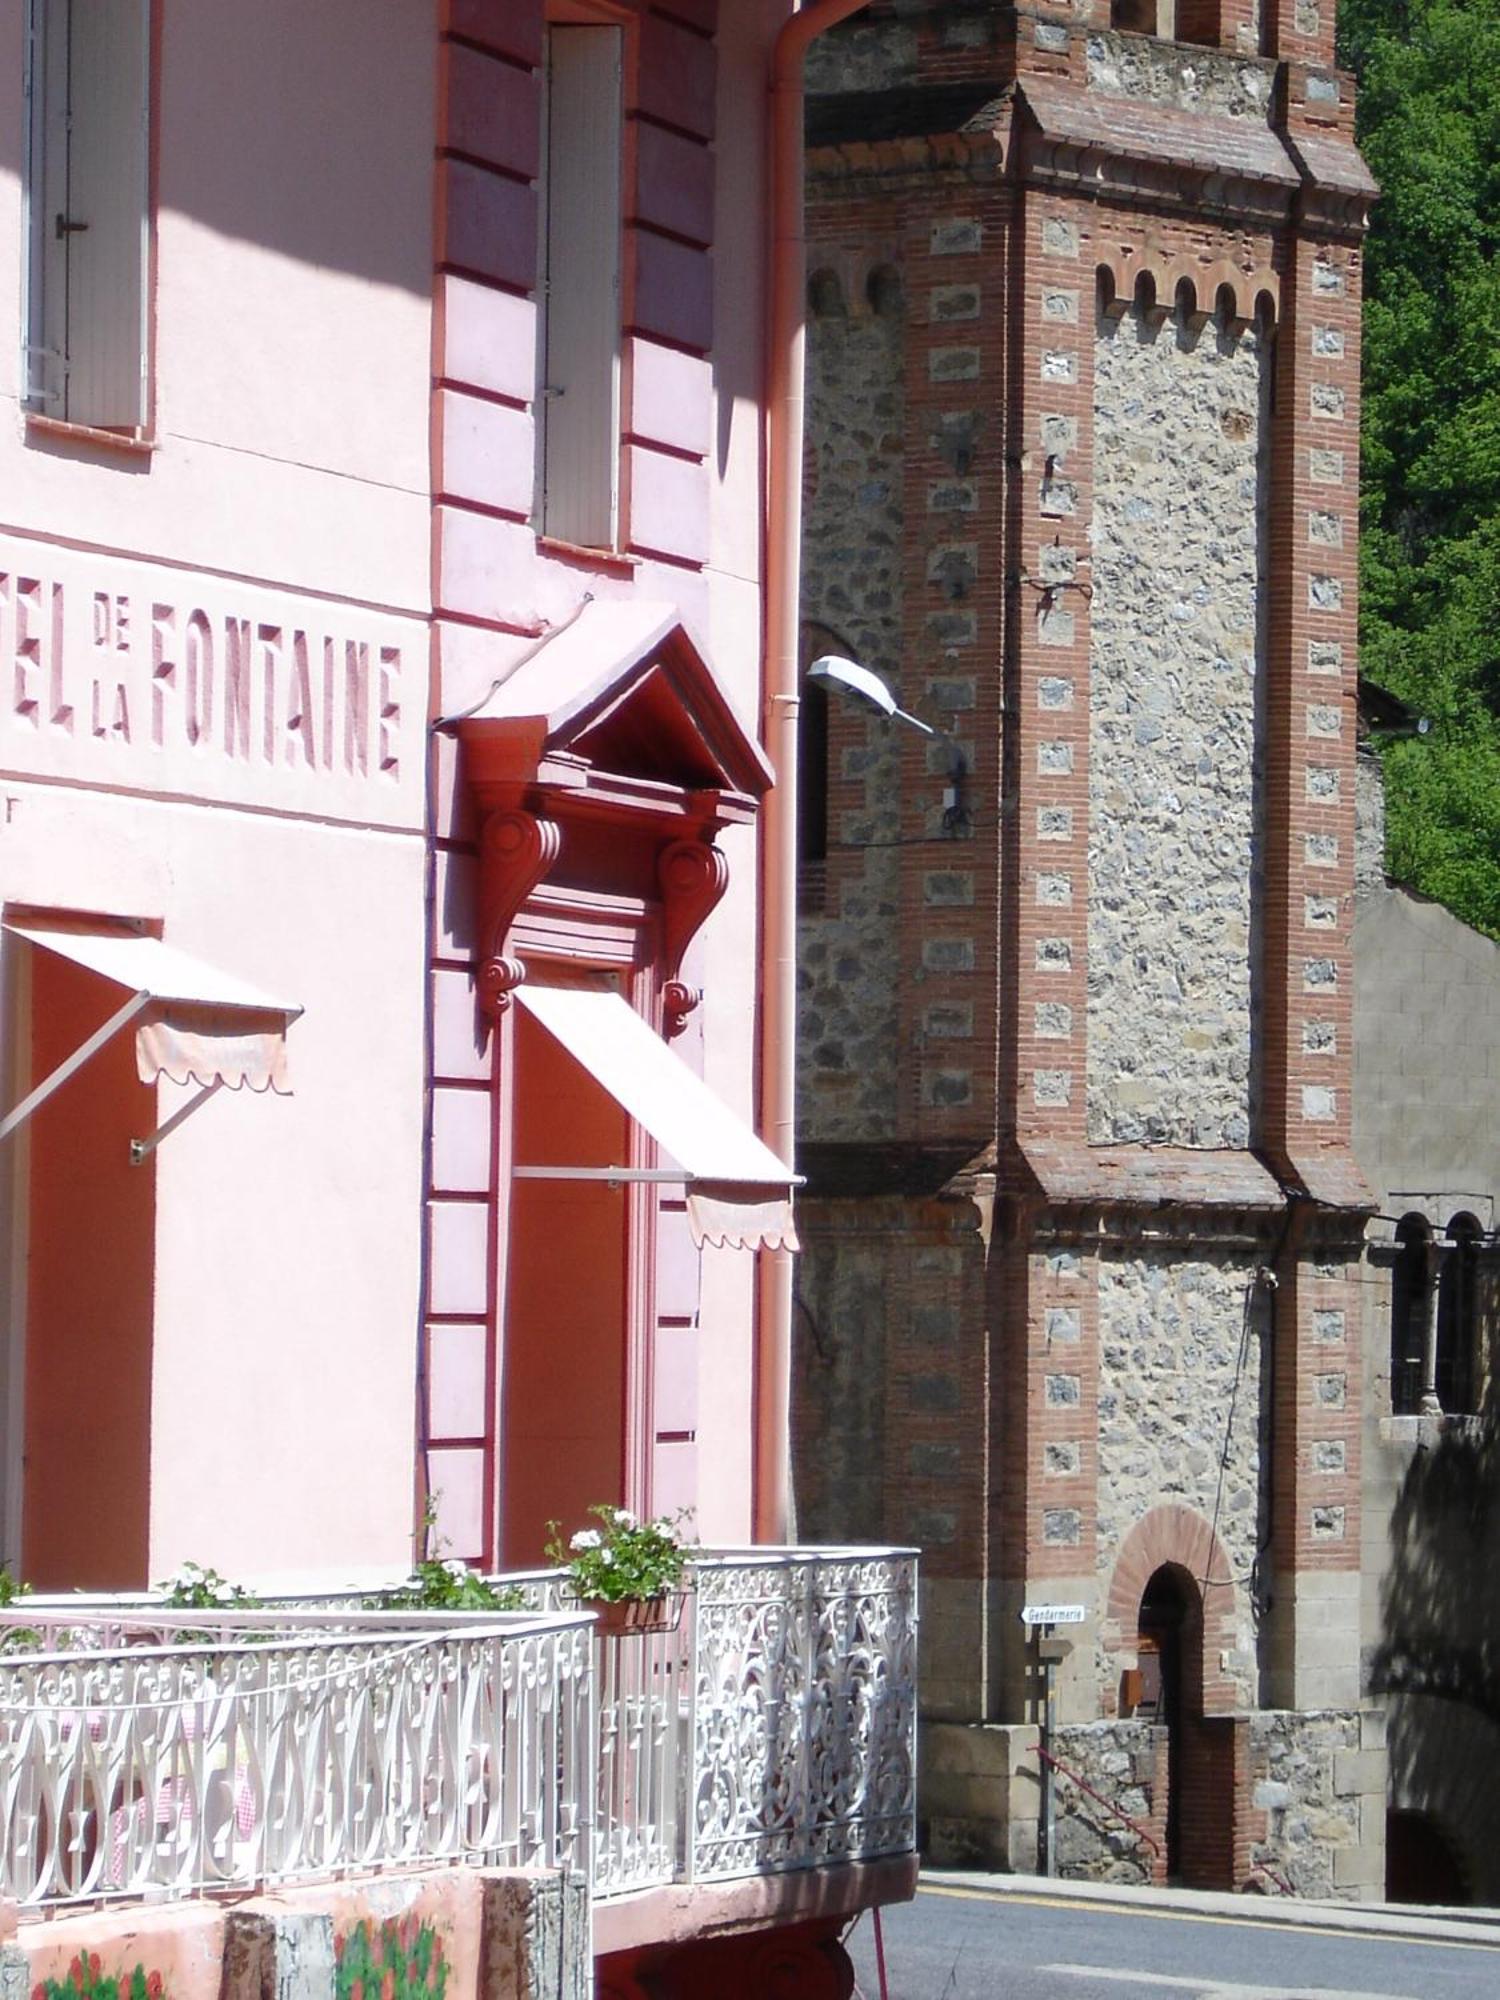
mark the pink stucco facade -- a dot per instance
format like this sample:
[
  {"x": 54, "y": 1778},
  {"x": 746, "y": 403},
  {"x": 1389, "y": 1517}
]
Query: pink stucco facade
[
  {"x": 222, "y": 640},
  {"x": 388, "y": 731}
]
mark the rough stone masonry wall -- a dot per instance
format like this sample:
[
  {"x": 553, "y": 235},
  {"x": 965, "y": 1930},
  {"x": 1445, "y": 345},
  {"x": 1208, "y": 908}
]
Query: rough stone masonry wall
[
  {"x": 1125, "y": 1763},
  {"x": 1319, "y": 1780},
  {"x": 889, "y": 1413},
  {"x": 1170, "y": 1332},
  {"x": 1172, "y": 732},
  {"x": 851, "y": 583}
]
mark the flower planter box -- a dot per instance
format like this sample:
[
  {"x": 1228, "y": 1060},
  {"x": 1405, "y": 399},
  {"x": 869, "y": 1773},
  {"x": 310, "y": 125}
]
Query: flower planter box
[{"x": 635, "y": 1614}]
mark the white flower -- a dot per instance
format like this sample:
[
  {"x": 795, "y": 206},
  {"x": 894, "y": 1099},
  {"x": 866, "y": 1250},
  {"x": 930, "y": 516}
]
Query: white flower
[
  {"x": 456, "y": 1569},
  {"x": 586, "y": 1538},
  {"x": 606, "y": 1555},
  {"x": 624, "y": 1518}
]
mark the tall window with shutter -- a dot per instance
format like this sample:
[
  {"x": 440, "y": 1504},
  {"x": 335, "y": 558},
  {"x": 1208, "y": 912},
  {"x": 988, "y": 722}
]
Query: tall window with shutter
[
  {"x": 88, "y": 98},
  {"x": 579, "y": 425}
]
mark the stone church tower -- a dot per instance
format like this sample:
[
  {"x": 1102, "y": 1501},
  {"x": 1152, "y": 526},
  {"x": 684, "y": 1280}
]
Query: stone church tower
[{"x": 1079, "y": 1304}]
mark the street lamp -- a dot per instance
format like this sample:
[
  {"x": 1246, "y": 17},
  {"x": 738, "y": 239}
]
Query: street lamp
[{"x": 834, "y": 671}]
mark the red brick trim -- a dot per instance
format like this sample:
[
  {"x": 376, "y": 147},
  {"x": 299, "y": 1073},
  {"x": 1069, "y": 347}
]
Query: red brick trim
[{"x": 1176, "y": 1536}]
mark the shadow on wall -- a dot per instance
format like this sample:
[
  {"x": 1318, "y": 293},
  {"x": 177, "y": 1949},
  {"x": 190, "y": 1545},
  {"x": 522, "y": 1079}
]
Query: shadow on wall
[{"x": 1439, "y": 1659}]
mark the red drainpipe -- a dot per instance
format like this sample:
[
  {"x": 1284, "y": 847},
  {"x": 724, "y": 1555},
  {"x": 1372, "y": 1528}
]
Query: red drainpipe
[{"x": 779, "y": 815}]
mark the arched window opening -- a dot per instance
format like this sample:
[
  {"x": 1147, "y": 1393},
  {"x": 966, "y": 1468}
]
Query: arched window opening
[
  {"x": 883, "y": 291},
  {"x": 813, "y": 773},
  {"x": 1133, "y": 17},
  {"x": 1457, "y": 1318},
  {"x": 1421, "y": 1863},
  {"x": 1198, "y": 21},
  {"x": 1408, "y": 1315},
  {"x": 1169, "y": 1644},
  {"x": 825, "y": 296}
]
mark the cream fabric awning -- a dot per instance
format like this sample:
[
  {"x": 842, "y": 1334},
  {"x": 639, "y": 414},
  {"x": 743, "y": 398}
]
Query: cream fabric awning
[
  {"x": 738, "y": 1192},
  {"x": 193, "y": 1023}
]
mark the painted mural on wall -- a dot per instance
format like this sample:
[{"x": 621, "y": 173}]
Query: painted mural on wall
[
  {"x": 86, "y": 1979},
  {"x": 400, "y": 1959}
]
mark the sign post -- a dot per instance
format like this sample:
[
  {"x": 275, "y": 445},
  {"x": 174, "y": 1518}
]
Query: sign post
[{"x": 1039, "y": 1620}]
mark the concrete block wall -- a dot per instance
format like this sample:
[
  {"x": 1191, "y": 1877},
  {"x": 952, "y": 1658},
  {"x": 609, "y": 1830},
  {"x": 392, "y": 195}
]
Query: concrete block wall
[{"x": 981, "y": 1790}]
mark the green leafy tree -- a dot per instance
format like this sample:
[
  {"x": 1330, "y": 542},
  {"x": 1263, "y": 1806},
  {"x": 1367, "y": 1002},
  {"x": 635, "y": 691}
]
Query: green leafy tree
[{"x": 1429, "y": 126}]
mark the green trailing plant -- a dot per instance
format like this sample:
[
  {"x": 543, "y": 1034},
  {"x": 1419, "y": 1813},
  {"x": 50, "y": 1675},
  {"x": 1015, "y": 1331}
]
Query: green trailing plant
[
  {"x": 622, "y": 1558},
  {"x": 439, "y": 1584},
  {"x": 15, "y": 1638},
  {"x": 192, "y": 1587},
  {"x": 444, "y": 1583}
]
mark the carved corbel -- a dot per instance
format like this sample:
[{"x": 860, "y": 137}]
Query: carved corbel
[
  {"x": 516, "y": 850},
  {"x": 691, "y": 875}
]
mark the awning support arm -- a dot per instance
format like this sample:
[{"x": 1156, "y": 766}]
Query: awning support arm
[
  {"x": 616, "y": 1175},
  {"x": 142, "y": 1149},
  {"x": 38, "y": 1097}
]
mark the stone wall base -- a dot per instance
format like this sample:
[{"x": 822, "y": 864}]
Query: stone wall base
[
  {"x": 980, "y": 1794},
  {"x": 1318, "y": 1802},
  {"x": 1279, "y": 1802}
]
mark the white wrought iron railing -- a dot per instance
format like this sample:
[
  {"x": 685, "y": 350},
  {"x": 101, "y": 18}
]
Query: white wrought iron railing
[
  {"x": 183, "y": 1752},
  {"x": 773, "y": 1727},
  {"x": 769, "y": 1724},
  {"x": 804, "y": 1709}
]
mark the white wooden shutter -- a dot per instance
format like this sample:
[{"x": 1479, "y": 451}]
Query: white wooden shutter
[
  {"x": 581, "y": 268},
  {"x": 47, "y": 198},
  {"x": 88, "y": 166},
  {"x": 109, "y": 72}
]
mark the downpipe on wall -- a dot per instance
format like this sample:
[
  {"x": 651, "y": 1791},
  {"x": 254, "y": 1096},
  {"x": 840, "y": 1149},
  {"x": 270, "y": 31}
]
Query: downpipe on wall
[{"x": 774, "y": 1520}]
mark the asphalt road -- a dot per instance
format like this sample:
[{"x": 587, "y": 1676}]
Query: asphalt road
[{"x": 957, "y": 1944}]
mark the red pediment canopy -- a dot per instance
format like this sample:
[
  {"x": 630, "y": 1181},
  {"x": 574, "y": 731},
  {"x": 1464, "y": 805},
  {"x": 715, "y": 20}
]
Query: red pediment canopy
[{"x": 607, "y": 761}]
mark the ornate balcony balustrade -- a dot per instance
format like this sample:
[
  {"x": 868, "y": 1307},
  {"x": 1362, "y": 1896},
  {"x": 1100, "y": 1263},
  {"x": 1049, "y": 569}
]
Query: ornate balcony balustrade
[
  {"x": 773, "y": 1727},
  {"x": 768, "y": 1725},
  {"x": 228, "y": 1750}
]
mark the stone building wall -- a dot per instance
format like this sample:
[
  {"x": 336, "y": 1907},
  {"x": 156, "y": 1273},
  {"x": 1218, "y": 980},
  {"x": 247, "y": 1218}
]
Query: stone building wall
[
  {"x": 1319, "y": 1779},
  {"x": 1181, "y": 1357},
  {"x": 889, "y": 1416},
  {"x": 1182, "y": 79},
  {"x": 1172, "y": 738},
  {"x": 1125, "y": 1764},
  {"x": 1129, "y": 580},
  {"x": 851, "y": 587}
]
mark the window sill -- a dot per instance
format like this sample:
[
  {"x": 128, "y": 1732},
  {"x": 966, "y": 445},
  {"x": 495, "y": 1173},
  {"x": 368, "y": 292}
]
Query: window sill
[
  {"x": 130, "y": 444},
  {"x": 576, "y": 552},
  {"x": 1417, "y": 1428}
]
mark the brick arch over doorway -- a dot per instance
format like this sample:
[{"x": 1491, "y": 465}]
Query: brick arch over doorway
[{"x": 1177, "y": 1537}]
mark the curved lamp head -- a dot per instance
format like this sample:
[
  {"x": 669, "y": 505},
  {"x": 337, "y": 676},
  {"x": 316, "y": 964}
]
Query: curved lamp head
[
  {"x": 835, "y": 671},
  {"x": 869, "y": 686}
]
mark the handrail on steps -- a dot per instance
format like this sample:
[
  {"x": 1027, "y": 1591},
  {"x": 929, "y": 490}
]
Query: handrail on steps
[{"x": 1109, "y": 1806}]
